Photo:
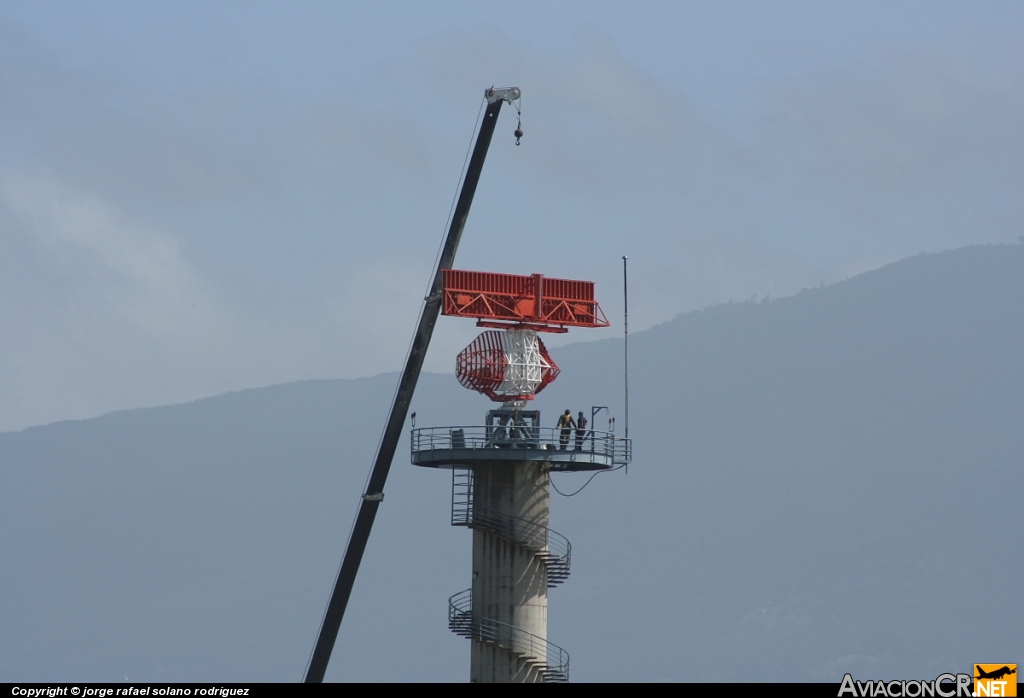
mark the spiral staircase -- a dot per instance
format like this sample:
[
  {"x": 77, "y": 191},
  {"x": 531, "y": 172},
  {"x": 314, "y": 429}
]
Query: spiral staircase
[{"x": 552, "y": 549}]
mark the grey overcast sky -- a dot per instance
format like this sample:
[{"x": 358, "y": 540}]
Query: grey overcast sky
[{"x": 203, "y": 197}]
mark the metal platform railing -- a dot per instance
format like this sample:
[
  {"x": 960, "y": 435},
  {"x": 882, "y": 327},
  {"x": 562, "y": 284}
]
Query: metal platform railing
[
  {"x": 460, "y": 438},
  {"x": 551, "y": 660}
]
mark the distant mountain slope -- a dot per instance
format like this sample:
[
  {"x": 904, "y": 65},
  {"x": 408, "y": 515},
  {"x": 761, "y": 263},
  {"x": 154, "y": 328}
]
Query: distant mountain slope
[
  {"x": 823, "y": 483},
  {"x": 826, "y": 482},
  {"x": 199, "y": 541}
]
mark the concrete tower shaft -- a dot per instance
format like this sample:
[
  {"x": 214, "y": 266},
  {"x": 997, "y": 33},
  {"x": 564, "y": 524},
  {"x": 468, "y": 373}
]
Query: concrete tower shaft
[
  {"x": 510, "y": 580},
  {"x": 501, "y": 485}
]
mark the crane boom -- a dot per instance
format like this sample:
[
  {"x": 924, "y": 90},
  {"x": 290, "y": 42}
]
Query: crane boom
[{"x": 374, "y": 493}]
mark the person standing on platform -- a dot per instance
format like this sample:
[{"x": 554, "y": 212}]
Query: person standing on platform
[
  {"x": 565, "y": 423},
  {"x": 581, "y": 431}
]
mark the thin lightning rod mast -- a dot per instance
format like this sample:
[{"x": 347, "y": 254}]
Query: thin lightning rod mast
[
  {"x": 625, "y": 334},
  {"x": 374, "y": 493}
]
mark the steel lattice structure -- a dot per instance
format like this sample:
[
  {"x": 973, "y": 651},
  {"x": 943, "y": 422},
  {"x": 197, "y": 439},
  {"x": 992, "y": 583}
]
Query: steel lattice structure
[{"x": 506, "y": 366}]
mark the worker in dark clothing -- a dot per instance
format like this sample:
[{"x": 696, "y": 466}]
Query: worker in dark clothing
[
  {"x": 581, "y": 431},
  {"x": 565, "y": 423},
  {"x": 516, "y": 430}
]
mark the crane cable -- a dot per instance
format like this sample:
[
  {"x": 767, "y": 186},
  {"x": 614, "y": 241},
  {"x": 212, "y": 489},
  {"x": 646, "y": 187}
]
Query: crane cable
[{"x": 555, "y": 487}]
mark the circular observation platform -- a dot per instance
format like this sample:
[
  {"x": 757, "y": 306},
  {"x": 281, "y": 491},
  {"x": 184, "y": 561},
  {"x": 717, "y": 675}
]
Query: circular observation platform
[{"x": 464, "y": 447}]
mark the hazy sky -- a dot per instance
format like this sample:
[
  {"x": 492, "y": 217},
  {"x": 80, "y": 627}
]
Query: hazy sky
[{"x": 201, "y": 197}]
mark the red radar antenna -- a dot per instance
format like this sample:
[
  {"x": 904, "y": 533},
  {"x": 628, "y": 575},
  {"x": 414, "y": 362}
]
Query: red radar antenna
[
  {"x": 514, "y": 365},
  {"x": 521, "y": 302}
]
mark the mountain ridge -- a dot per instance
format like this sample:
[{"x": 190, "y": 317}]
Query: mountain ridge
[{"x": 802, "y": 502}]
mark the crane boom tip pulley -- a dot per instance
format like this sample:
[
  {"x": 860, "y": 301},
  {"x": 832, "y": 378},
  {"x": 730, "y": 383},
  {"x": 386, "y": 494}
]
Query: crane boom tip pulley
[{"x": 508, "y": 94}]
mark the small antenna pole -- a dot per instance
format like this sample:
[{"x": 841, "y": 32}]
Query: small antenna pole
[{"x": 625, "y": 336}]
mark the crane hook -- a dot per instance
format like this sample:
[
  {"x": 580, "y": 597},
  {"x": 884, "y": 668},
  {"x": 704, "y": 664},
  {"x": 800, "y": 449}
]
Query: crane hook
[{"x": 518, "y": 133}]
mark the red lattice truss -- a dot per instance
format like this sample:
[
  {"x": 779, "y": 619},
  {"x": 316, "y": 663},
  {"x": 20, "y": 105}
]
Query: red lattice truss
[
  {"x": 481, "y": 367},
  {"x": 530, "y": 302}
]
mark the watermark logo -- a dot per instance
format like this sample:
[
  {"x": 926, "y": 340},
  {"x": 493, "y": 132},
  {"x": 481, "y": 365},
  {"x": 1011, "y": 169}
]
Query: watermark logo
[
  {"x": 989, "y": 681},
  {"x": 995, "y": 680},
  {"x": 943, "y": 686}
]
